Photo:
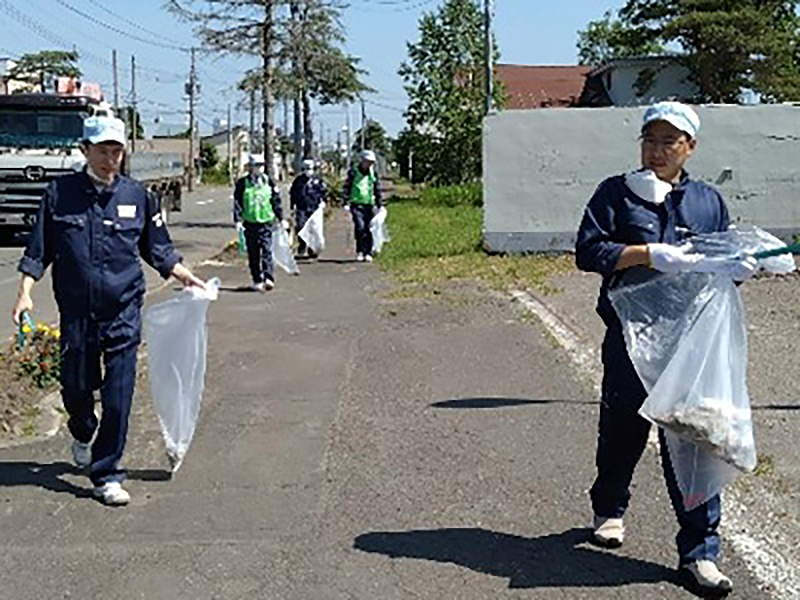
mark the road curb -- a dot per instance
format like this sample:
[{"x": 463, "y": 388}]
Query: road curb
[{"x": 47, "y": 423}]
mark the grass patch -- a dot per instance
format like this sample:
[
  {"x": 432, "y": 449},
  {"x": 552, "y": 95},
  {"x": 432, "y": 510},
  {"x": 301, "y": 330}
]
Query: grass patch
[{"x": 437, "y": 237}]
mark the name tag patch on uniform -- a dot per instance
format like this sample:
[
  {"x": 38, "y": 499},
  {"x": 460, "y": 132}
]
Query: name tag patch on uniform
[{"x": 126, "y": 211}]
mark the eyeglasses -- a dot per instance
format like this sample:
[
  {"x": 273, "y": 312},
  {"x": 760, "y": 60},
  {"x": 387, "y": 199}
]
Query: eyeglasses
[{"x": 667, "y": 144}]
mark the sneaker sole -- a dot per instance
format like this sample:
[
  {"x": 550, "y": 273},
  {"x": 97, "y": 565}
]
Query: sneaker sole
[{"x": 610, "y": 544}]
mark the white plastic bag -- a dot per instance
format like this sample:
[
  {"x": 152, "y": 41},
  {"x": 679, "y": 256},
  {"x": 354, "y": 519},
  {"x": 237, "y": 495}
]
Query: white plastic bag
[
  {"x": 282, "y": 252},
  {"x": 377, "y": 227},
  {"x": 686, "y": 337},
  {"x": 177, "y": 340},
  {"x": 312, "y": 232}
]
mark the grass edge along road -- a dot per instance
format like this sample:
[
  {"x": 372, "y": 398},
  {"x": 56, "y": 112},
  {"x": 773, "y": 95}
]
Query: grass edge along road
[{"x": 437, "y": 237}]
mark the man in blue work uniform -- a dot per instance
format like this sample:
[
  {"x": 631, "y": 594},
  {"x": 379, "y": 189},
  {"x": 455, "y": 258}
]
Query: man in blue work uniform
[
  {"x": 256, "y": 209},
  {"x": 94, "y": 227},
  {"x": 308, "y": 191},
  {"x": 633, "y": 223},
  {"x": 362, "y": 196}
]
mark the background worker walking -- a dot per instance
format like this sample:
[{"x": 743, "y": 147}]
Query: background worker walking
[
  {"x": 257, "y": 209},
  {"x": 362, "y": 197},
  {"x": 308, "y": 191},
  {"x": 93, "y": 227}
]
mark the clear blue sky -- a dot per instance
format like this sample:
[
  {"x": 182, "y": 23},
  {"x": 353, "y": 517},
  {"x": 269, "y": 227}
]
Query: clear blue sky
[{"x": 528, "y": 32}]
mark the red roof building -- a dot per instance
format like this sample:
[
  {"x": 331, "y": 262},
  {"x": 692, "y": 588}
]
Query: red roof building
[{"x": 528, "y": 86}]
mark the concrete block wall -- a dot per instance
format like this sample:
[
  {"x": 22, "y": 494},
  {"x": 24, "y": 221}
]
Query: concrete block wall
[{"x": 542, "y": 166}]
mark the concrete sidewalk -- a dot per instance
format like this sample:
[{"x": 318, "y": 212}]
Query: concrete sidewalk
[{"x": 350, "y": 446}]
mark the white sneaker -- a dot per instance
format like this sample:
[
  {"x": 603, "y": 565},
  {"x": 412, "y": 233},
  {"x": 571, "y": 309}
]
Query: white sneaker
[
  {"x": 368, "y": 258},
  {"x": 268, "y": 285},
  {"x": 707, "y": 576},
  {"x": 360, "y": 257},
  {"x": 257, "y": 287},
  {"x": 112, "y": 494},
  {"x": 81, "y": 454},
  {"x": 608, "y": 533}
]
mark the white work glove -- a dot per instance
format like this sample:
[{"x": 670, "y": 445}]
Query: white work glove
[
  {"x": 346, "y": 207},
  {"x": 239, "y": 227},
  {"x": 285, "y": 225},
  {"x": 672, "y": 259},
  {"x": 738, "y": 269}
]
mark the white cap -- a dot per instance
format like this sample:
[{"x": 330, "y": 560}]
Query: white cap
[
  {"x": 676, "y": 114},
  {"x": 308, "y": 165},
  {"x": 97, "y": 130},
  {"x": 255, "y": 159},
  {"x": 368, "y": 155}
]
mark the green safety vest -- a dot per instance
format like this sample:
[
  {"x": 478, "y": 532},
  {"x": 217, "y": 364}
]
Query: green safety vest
[
  {"x": 363, "y": 191},
  {"x": 257, "y": 203}
]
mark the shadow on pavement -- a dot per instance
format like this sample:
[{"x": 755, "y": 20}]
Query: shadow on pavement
[
  {"x": 489, "y": 403},
  {"x": 337, "y": 261},
  {"x": 553, "y": 561},
  {"x": 777, "y": 407},
  {"x": 201, "y": 225},
  {"x": 149, "y": 474},
  {"x": 47, "y": 476}
]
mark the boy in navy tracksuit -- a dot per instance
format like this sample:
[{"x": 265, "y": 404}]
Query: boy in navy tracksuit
[{"x": 307, "y": 193}]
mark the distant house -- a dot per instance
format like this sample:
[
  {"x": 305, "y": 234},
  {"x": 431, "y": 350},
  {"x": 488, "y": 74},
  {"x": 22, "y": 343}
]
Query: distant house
[
  {"x": 531, "y": 86},
  {"x": 8, "y": 85},
  {"x": 637, "y": 81}
]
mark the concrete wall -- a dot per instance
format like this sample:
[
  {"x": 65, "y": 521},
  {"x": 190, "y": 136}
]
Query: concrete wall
[{"x": 542, "y": 166}]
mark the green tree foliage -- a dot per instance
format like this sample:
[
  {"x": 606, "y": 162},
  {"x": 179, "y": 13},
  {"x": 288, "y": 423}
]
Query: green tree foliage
[
  {"x": 208, "y": 155},
  {"x": 35, "y": 69},
  {"x": 375, "y": 138},
  {"x": 444, "y": 79},
  {"x": 727, "y": 45},
  {"x": 610, "y": 39}
]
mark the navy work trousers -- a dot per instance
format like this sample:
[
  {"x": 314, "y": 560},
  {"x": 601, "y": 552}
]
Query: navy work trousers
[
  {"x": 85, "y": 344},
  {"x": 621, "y": 442},
  {"x": 259, "y": 251},
  {"x": 362, "y": 216}
]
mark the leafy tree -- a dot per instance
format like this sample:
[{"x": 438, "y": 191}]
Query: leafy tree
[
  {"x": 727, "y": 45},
  {"x": 208, "y": 156},
  {"x": 375, "y": 138},
  {"x": 444, "y": 79},
  {"x": 610, "y": 39},
  {"x": 36, "y": 69}
]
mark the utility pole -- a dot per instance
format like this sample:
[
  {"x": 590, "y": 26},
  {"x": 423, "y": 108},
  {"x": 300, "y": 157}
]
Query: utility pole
[
  {"x": 349, "y": 140},
  {"x": 134, "y": 119},
  {"x": 230, "y": 148},
  {"x": 116, "y": 81},
  {"x": 489, "y": 75},
  {"x": 191, "y": 89},
  {"x": 363, "y": 125}
]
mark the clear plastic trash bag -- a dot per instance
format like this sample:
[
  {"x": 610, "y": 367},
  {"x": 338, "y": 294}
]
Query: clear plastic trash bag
[
  {"x": 377, "y": 227},
  {"x": 312, "y": 232},
  {"x": 177, "y": 341},
  {"x": 685, "y": 334},
  {"x": 282, "y": 252}
]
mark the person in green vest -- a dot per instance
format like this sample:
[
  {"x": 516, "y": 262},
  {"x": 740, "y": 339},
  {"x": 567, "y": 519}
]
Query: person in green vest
[
  {"x": 256, "y": 210},
  {"x": 362, "y": 197}
]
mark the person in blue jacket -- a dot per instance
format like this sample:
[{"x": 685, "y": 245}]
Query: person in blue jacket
[
  {"x": 257, "y": 209},
  {"x": 362, "y": 197},
  {"x": 307, "y": 193},
  {"x": 634, "y": 225},
  {"x": 94, "y": 228}
]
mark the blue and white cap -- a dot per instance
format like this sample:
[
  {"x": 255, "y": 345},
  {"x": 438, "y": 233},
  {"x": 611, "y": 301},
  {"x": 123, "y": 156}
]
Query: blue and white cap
[
  {"x": 676, "y": 114},
  {"x": 97, "y": 130},
  {"x": 368, "y": 155}
]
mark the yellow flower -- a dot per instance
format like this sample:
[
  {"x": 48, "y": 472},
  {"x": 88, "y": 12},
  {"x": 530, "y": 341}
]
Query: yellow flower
[{"x": 26, "y": 328}]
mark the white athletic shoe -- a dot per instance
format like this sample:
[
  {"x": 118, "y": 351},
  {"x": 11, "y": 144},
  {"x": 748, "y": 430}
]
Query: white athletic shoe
[
  {"x": 707, "y": 576},
  {"x": 269, "y": 285},
  {"x": 608, "y": 533},
  {"x": 360, "y": 257},
  {"x": 111, "y": 494},
  {"x": 368, "y": 258},
  {"x": 81, "y": 454}
]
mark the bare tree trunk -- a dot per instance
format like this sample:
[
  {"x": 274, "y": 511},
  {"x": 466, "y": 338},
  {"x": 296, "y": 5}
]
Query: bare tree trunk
[
  {"x": 308, "y": 127},
  {"x": 298, "y": 135},
  {"x": 268, "y": 79}
]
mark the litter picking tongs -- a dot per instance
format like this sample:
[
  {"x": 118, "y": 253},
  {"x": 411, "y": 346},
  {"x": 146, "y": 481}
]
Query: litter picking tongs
[
  {"x": 24, "y": 319},
  {"x": 790, "y": 249}
]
